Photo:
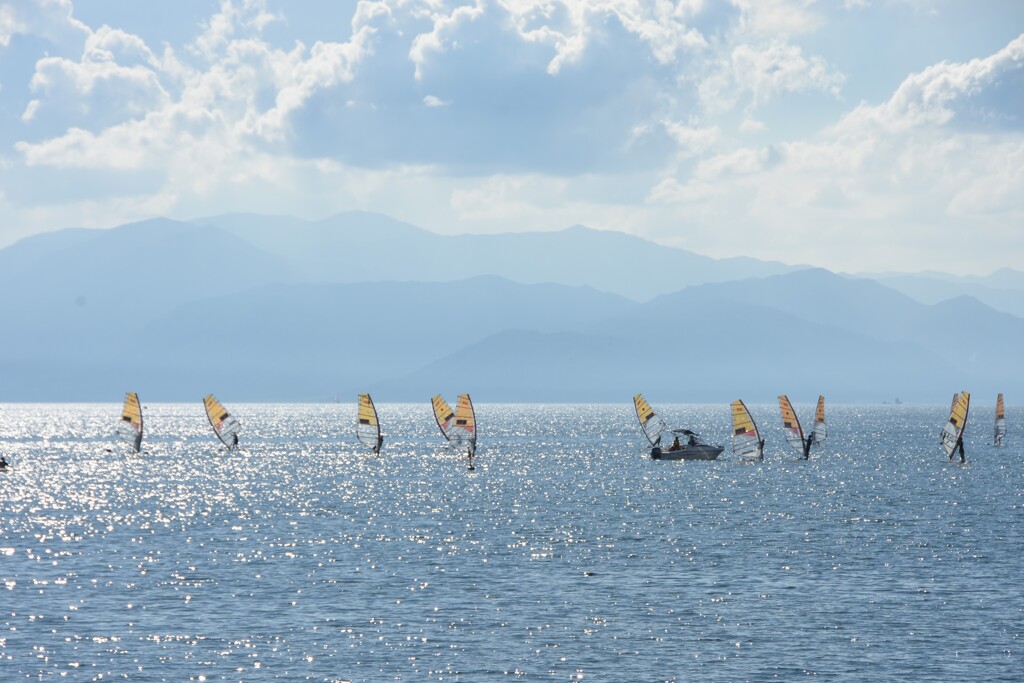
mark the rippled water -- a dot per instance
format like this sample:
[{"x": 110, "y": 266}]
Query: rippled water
[{"x": 568, "y": 554}]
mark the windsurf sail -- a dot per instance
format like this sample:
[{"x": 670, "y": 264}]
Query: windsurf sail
[
  {"x": 463, "y": 432},
  {"x": 444, "y": 415},
  {"x": 791, "y": 425},
  {"x": 129, "y": 427},
  {"x": 956, "y": 397},
  {"x": 953, "y": 430},
  {"x": 650, "y": 422},
  {"x": 458, "y": 427},
  {"x": 225, "y": 425},
  {"x": 367, "y": 424},
  {"x": 819, "y": 432},
  {"x": 746, "y": 440},
  {"x": 1000, "y": 420}
]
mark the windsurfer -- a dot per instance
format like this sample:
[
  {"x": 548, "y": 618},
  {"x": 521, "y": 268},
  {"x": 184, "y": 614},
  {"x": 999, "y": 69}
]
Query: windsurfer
[
  {"x": 3, "y": 463},
  {"x": 234, "y": 442},
  {"x": 380, "y": 443},
  {"x": 960, "y": 447},
  {"x": 807, "y": 448},
  {"x": 760, "y": 449}
]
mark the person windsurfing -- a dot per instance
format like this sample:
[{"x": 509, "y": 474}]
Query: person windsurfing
[
  {"x": 807, "y": 447},
  {"x": 3, "y": 463},
  {"x": 380, "y": 444},
  {"x": 760, "y": 450},
  {"x": 234, "y": 442},
  {"x": 959, "y": 446}
]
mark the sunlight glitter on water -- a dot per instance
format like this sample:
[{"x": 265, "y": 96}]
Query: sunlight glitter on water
[{"x": 567, "y": 552}]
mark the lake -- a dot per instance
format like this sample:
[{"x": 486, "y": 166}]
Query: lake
[{"x": 568, "y": 554}]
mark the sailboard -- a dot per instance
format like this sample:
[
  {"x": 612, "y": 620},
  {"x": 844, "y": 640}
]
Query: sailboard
[
  {"x": 225, "y": 425},
  {"x": 746, "y": 440},
  {"x": 650, "y": 422},
  {"x": 367, "y": 424},
  {"x": 458, "y": 427},
  {"x": 953, "y": 430},
  {"x": 129, "y": 427},
  {"x": 1000, "y": 424},
  {"x": 819, "y": 432},
  {"x": 791, "y": 424}
]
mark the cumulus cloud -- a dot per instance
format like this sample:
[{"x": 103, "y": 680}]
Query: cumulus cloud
[
  {"x": 888, "y": 173},
  {"x": 765, "y": 73}
]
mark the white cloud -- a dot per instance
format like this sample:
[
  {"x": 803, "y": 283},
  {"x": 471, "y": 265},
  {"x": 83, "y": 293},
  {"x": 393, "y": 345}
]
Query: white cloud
[
  {"x": 444, "y": 24},
  {"x": 778, "y": 17},
  {"x": 692, "y": 140},
  {"x": 765, "y": 73},
  {"x": 663, "y": 26},
  {"x": 900, "y": 173},
  {"x": 434, "y": 101}
]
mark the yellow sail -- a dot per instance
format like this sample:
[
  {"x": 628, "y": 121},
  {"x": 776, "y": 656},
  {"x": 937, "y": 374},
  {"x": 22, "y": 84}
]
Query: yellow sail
[
  {"x": 443, "y": 414},
  {"x": 130, "y": 426},
  {"x": 1000, "y": 426},
  {"x": 367, "y": 425},
  {"x": 746, "y": 440},
  {"x": 791, "y": 424},
  {"x": 650, "y": 422},
  {"x": 464, "y": 429},
  {"x": 225, "y": 425},
  {"x": 819, "y": 432},
  {"x": 953, "y": 430}
]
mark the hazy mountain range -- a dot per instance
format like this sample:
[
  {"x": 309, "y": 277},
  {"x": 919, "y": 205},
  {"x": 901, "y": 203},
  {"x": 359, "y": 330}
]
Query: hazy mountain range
[{"x": 277, "y": 308}]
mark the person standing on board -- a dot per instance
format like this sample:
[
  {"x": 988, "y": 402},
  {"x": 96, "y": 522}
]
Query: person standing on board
[
  {"x": 960, "y": 446},
  {"x": 3, "y": 463},
  {"x": 807, "y": 448},
  {"x": 234, "y": 442},
  {"x": 760, "y": 450}
]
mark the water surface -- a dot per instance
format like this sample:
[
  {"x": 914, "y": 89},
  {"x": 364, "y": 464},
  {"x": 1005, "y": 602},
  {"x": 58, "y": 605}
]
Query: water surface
[{"x": 567, "y": 555}]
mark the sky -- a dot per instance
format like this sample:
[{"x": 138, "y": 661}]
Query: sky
[{"x": 856, "y": 135}]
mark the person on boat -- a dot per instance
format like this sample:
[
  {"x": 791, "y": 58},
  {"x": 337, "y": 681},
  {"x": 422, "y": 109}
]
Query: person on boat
[
  {"x": 691, "y": 440},
  {"x": 675, "y": 444}
]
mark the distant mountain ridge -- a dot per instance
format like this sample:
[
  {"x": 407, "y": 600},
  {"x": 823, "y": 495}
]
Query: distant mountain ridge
[{"x": 285, "y": 310}]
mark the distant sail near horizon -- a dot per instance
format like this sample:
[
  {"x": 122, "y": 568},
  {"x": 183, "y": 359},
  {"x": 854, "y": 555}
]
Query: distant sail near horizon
[
  {"x": 129, "y": 427},
  {"x": 953, "y": 430},
  {"x": 367, "y": 424},
  {"x": 791, "y": 424},
  {"x": 650, "y": 422},
  {"x": 746, "y": 440},
  {"x": 1000, "y": 423},
  {"x": 819, "y": 432},
  {"x": 225, "y": 425}
]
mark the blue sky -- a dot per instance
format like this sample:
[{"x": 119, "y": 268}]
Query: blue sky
[{"x": 859, "y": 135}]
